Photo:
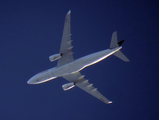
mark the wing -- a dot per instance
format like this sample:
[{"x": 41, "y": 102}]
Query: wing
[
  {"x": 82, "y": 83},
  {"x": 66, "y": 47}
]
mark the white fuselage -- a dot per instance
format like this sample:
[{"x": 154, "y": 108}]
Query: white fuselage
[{"x": 72, "y": 67}]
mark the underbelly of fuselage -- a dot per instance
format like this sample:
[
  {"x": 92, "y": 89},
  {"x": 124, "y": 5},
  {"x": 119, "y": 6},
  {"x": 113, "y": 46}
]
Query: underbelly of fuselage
[
  {"x": 83, "y": 62},
  {"x": 72, "y": 67}
]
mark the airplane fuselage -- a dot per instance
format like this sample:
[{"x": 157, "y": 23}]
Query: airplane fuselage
[
  {"x": 72, "y": 67},
  {"x": 69, "y": 69}
]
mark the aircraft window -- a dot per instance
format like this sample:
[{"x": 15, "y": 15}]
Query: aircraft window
[{"x": 43, "y": 72}]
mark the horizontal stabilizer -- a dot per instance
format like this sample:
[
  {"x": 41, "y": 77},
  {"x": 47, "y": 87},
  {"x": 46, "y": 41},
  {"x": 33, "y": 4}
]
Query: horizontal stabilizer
[
  {"x": 119, "y": 43},
  {"x": 120, "y": 55}
]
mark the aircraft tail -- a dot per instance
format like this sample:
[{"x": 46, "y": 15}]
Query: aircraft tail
[
  {"x": 120, "y": 55},
  {"x": 114, "y": 43}
]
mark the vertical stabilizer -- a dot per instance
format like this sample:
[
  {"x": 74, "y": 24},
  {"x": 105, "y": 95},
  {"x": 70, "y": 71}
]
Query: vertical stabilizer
[{"x": 114, "y": 41}]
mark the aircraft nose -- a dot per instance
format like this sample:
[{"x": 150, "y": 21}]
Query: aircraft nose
[
  {"x": 29, "y": 81},
  {"x": 32, "y": 80}
]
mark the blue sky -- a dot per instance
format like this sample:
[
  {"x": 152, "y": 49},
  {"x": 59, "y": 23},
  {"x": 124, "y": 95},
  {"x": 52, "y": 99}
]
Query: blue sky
[{"x": 31, "y": 31}]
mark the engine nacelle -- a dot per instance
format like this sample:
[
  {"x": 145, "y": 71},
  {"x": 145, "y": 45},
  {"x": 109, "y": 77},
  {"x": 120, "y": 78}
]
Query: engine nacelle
[
  {"x": 54, "y": 57},
  {"x": 68, "y": 86}
]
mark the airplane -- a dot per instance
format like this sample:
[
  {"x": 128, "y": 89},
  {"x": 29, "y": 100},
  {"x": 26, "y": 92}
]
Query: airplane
[{"x": 69, "y": 69}]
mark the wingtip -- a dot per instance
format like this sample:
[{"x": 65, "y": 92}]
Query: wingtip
[
  {"x": 69, "y": 12},
  {"x": 110, "y": 102}
]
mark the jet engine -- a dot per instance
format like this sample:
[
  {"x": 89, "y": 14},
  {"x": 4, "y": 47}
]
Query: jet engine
[
  {"x": 68, "y": 86},
  {"x": 54, "y": 57}
]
